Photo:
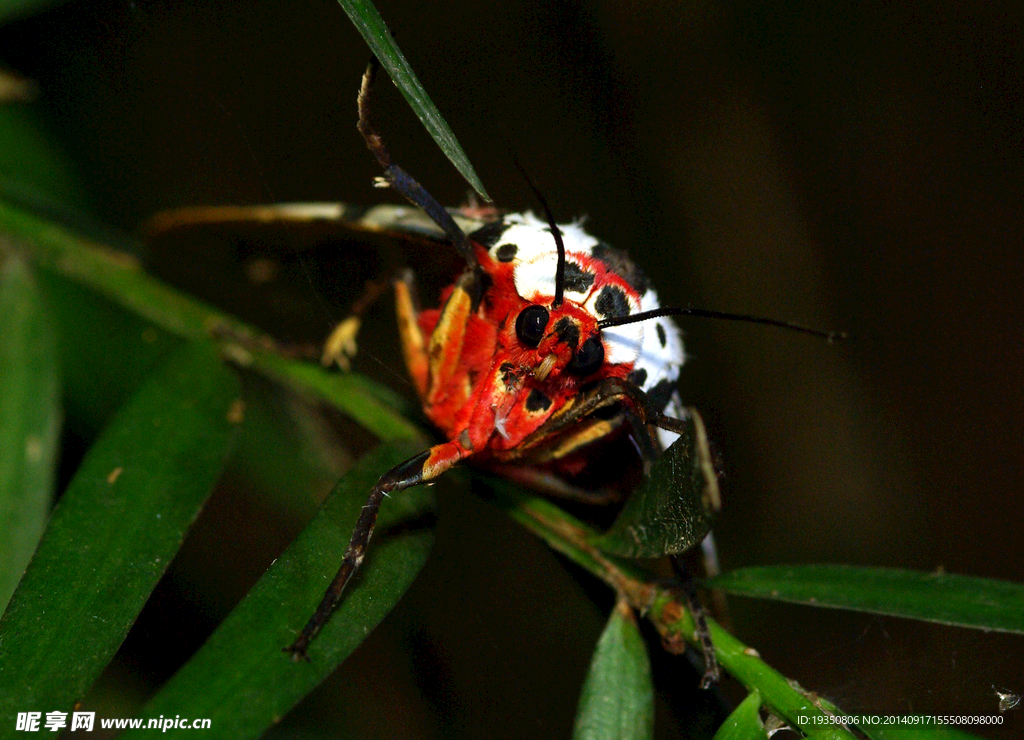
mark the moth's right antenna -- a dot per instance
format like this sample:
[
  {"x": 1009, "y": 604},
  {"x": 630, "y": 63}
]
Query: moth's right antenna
[{"x": 401, "y": 180}]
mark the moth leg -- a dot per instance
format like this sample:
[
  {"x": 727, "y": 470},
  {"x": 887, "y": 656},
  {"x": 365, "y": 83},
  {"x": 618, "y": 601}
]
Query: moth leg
[
  {"x": 689, "y": 589},
  {"x": 414, "y": 344},
  {"x": 574, "y": 429},
  {"x": 551, "y": 485},
  {"x": 340, "y": 347},
  {"x": 586, "y": 432},
  {"x": 575, "y": 410},
  {"x": 424, "y": 467},
  {"x": 712, "y": 568},
  {"x": 635, "y": 407},
  {"x": 558, "y": 446},
  {"x": 445, "y": 346},
  {"x": 638, "y": 410}
]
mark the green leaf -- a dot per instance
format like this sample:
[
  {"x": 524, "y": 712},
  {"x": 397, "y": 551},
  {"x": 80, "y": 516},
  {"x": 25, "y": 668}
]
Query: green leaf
[
  {"x": 745, "y": 721},
  {"x": 106, "y": 353},
  {"x": 672, "y": 510},
  {"x": 375, "y": 32},
  {"x": 241, "y": 679},
  {"x": 964, "y": 601},
  {"x": 617, "y": 701},
  {"x": 347, "y": 392},
  {"x": 30, "y": 414},
  {"x": 114, "y": 532}
]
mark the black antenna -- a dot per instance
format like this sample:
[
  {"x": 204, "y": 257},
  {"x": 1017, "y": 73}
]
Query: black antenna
[
  {"x": 703, "y": 313},
  {"x": 559, "y": 245},
  {"x": 401, "y": 180}
]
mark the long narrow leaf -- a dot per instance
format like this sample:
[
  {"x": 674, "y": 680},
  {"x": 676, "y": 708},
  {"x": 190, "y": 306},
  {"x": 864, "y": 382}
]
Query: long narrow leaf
[
  {"x": 241, "y": 679},
  {"x": 106, "y": 353},
  {"x": 374, "y": 31},
  {"x": 617, "y": 702},
  {"x": 114, "y": 532},
  {"x": 29, "y": 420},
  {"x": 964, "y": 601}
]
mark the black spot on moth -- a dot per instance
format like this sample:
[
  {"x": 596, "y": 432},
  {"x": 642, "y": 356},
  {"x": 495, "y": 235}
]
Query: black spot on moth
[
  {"x": 537, "y": 401},
  {"x": 611, "y": 302},
  {"x": 620, "y": 263},
  {"x": 506, "y": 252},
  {"x": 660, "y": 394},
  {"x": 487, "y": 236},
  {"x": 638, "y": 377},
  {"x": 577, "y": 279}
]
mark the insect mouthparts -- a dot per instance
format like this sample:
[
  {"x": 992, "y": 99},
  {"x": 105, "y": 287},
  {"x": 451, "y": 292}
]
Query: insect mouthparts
[{"x": 545, "y": 367}]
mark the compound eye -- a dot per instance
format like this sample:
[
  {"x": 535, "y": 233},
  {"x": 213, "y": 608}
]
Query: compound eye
[
  {"x": 530, "y": 325},
  {"x": 588, "y": 358}
]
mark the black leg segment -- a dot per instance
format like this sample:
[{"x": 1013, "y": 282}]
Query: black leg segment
[
  {"x": 711, "y": 671},
  {"x": 406, "y": 475},
  {"x": 401, "y": 180}
]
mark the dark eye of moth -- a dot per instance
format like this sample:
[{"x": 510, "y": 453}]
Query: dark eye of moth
[
  {"x": 588, "y": 358},
  {"x": 530, "y": 325}
]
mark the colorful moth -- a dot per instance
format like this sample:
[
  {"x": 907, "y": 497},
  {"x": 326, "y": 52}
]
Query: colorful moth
[{"x": 548, "y": 342}]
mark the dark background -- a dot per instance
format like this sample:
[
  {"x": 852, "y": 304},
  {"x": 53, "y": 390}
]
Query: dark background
[{"x": 854, "y": 166}]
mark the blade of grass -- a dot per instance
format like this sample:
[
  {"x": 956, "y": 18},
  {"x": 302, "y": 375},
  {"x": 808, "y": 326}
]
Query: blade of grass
[
  {"x": 617, "y": 701},
  {"x": 114, "y": 532},
  {"x": 964, "y": 601},
  {"x": 374, "y": 31},
  {"x": 30, "y": 414},
  {"x": 241, "y": 679}
]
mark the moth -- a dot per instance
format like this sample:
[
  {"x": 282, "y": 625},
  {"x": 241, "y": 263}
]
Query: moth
[{"x": 548, "y": 344}]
